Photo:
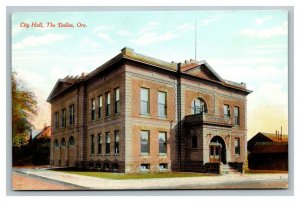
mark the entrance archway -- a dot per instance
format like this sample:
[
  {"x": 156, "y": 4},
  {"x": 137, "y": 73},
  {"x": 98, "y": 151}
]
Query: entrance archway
[{"x": 217, "y": 150}]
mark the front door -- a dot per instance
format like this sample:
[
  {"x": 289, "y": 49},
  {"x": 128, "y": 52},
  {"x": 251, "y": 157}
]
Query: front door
[{"x": 215, "y": 151}]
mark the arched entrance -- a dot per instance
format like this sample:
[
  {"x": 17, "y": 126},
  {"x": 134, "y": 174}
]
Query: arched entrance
[{"x": 217, "y": 150}]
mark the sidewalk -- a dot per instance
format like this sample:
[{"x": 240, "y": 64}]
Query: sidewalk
[{"x": 205, "y": 182}]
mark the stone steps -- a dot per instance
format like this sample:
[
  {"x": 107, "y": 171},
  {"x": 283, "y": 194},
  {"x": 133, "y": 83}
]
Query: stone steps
[{"x": 226, "y": 169}]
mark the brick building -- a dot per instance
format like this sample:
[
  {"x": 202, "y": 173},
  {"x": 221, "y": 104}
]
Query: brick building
[{"x": 136, "y": 113}]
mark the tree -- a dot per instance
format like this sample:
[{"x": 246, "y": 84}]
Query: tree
[{"x": 24, "y": 108}]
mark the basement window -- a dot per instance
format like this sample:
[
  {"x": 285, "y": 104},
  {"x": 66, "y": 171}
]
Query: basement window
[
  {"x": 145, "y": 167},
  {"x": 163, "y": 166}
]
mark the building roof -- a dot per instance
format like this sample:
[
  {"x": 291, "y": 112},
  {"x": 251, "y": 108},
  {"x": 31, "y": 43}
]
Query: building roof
[
  {"x": 197, "y": 69},
  {"x": 270, "y": 147},
  {"x": 274, "y": 138},
  {"x": 45, "y": 133}
]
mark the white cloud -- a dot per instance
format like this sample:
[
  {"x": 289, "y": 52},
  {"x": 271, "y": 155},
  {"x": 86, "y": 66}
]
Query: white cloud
[
  {"x": 101, "y": 32},
  {"x": 100, "y": 28},
  {"x": 148, "y": 28},
  {"x": 153, "y": 37},
  {"x": 35, "y": 41},
  {"x": 280, "y": 30},
  {"x": 124, "y": 32},
  {"x": 209, "y": 20},
  {"x": 186, "y": 27},
  {"x": 261, "y": 21},
  {"x": 87, "y": 43},
  {"x": 105, "y": 37}
]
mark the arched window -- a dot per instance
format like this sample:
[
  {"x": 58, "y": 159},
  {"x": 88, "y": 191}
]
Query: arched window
[
  {"x": 199, "y": 106},
  {"x": 194, "y": 142},
  {"x": 71, "y": 140},
  {"x": 56, "y": 143},
  {"x": 63, "y": 142}
]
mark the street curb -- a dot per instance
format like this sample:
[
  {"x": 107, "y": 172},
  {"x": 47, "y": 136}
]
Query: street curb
[{"x": 51, "y": 180}]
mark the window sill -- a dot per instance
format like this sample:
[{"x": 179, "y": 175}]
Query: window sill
[
  {"x": 115, "y": 116},
  {"x": 99, "y": 154},
  {"x": 163, "y": 154},
  {"x": 106, "y": 154},
  {"x": 144, "y": 154},
  {"x": 118, "y": 154},
  {"x": 145, "y": 115}
]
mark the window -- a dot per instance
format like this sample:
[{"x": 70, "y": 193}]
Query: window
[
  {"x": 237, "y": 146},
  {"x": 162, "y": 139},
  {"x": 93, "y": 109},
  {"x": 236, "y": 116},
  {"x": 99, "y": 143},
  {"x": 92, "y": 144},
  {"x": 145, "y": 167},
  {"x": 115, "y": 166},
  {"x": 106, "y": 166},
  {"x": 56, "y": 118},
  {"x": 63, "y": 118},
  {"x": 63, "y": 142},
  {"x": 98, "y": 166},
  {"x": 145, "y": 141},
  {"x": 71, "y": 115},
  {"x": 198, "y": 106},
  {"x": 117, "y": 100},
  {"x": 71, "y": 141},
  {"x": 226, "y": 111},
  {"x": 162, "y": 104},
  {"x": 145, "y": 109},
  {"x": 117, "y": 141},
  {"x": 107, "y": 103},
  {"x": 107, "y": 140},
  {"x": 163, "y": 166},
  {"x": 100, "y": 107},
  {"x": 56, "y": 144},
  {"x": 194, "y": 142}
]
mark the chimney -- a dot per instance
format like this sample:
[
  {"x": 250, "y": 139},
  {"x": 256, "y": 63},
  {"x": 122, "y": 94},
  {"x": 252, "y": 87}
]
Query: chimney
[
  {"x": 281, "y": 133},
  {"x": 45, "y": 125}
]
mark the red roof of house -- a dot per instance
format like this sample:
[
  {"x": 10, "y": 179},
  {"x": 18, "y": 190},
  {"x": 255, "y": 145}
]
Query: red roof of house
[{"x": 45, "y": 133}]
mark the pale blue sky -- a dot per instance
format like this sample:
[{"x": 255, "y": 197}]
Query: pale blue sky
[{"x": 242, "y": 46}]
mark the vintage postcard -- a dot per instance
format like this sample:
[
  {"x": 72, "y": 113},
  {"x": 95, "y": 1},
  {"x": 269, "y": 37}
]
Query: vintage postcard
[{"x": 139, "y": 100}]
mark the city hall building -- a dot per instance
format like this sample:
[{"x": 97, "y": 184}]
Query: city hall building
[{"x": 140, "y": 114}]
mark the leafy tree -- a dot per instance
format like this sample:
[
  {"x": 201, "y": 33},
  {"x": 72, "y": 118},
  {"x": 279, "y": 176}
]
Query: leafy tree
[{"x": 24, "y": 108}]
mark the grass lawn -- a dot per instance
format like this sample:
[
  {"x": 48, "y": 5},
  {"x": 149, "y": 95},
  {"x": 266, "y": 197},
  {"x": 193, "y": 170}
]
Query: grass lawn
[
  {"x": 264, "y": 171},
  {"x": 123, "y": 176}
]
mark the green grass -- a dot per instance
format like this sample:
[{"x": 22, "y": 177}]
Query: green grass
[
  {"x": 264, "y": 171},
  {"x": 122, "y": 176}
]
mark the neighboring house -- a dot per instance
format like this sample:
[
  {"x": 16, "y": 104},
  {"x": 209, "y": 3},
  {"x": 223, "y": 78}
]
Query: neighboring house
[
  {"x": 40, "y": 147},
  {"x": 268, "y": 152},
  {"x": 139, "y": 114}
]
